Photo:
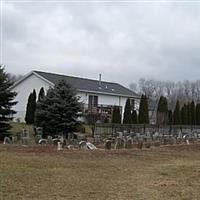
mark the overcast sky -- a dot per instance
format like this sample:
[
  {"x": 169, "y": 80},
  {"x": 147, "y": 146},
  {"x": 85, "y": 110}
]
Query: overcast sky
[{"x": 123, "y": 41}]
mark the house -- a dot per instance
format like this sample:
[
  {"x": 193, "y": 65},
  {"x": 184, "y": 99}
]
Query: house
[{"x": 98, "y": 97}]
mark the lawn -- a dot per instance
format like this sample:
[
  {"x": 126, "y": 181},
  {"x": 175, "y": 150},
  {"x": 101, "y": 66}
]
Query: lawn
[{"x": 39, "y": 172}]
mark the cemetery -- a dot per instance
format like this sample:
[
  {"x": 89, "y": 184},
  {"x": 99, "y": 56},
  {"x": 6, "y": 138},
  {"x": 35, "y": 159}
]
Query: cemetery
[{"x": 54, "y": 155}]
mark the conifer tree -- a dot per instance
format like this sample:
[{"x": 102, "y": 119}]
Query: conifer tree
[
  {"x": 184, "y": 117},
  {"x": 115, "y": 115},
  {"x": 176, "y": 115},
  {"x": 41, "y": 94},
  {"x": 6, "y": 102},
  {"x": 189, "y": 116},
  {"x": 143, "y": 110},
  {"x": 58, "y": 111},
  {"x": 119, "y": 116},
  {"x": 30, "y": 108},
  {"x": 198, "y": 114},
  {"x": 170, "y": 117},
  {"x": 193, "y": 114},
  {"x": 134, "y": 117},
  {"x": 127, "y": 113},
  {"x": 146, "y": 110},
  {"x": 162, "y": 111}
]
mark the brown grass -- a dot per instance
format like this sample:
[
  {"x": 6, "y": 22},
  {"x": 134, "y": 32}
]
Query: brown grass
[{"x": 36, "y": 172}]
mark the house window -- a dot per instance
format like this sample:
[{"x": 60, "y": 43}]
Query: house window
[{"x": 93, "y": 101}]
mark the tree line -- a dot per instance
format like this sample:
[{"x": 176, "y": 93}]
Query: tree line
[
  {"x": 182, "y": 91},
  {"x": 131, "y": 115}
]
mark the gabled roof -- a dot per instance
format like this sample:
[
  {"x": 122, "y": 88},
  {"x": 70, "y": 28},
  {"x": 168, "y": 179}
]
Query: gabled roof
[{"x": 87, "y": 85}]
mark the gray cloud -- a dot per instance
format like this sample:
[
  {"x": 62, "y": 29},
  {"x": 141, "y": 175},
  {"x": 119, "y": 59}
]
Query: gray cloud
[{"x": 123, "y": 41}]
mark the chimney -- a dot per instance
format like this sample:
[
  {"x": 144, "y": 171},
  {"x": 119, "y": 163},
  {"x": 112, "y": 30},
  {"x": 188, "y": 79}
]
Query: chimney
[{"x": 99, "y": 79}]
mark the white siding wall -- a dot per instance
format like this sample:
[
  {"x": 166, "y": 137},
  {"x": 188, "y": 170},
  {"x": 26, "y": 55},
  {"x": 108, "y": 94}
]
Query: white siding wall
[{"x": 24, "y": 89}]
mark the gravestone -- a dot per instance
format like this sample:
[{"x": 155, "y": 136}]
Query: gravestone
[
  {"x": 108, "y": 144},
  {"x": 82, "y": 145},
  {"x": 118, "y": 143},
  {"x": 42, "y": 141},
  {"x": 91, "y": 146},
  {"x": 7, "y": 140},
  {"x": 49, "y": 140},
  {"x": 59, "y": 146}
]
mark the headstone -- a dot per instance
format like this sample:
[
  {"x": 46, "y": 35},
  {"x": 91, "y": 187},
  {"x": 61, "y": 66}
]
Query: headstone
[
  {"x": 59, "y": 146},
  {"x": 90, "y": 146},
  {"x": 7, "y": 140},
  {"x": 118, "y": 143},
  {"x": 42, "y": 141},
  {"x": 49, "y": 139},
  {"x": 37, "y": 138},
  {"x": 108, "y": 144},
  {"x": 55, "y": 141},
  {"x": 82, "y": 145}
]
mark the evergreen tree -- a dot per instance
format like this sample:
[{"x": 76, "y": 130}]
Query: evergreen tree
[
  {"x": 143, "y": 110},
  {"x": 193, "y": 114},
  {"x": 41, "y": 94},
  {"x": 119, "y": 116},
  {"x": 127, "y": 113},
  {"x": 114, "y": 115},
  {"x": 30, "y": 108},
  {"x": 162, "y": 111},
  {"x": 198, "y": 114},
  {"x": 184, "y": 115},
  {"x": 189, "y": 116},
  {"x": 170, "y": 117},
  {"x": 58, "y": 111},
  {"x": 6, "y": 102},
  {"x": 134, "y": 117},
  {"x": 146, "y": 110},
  {"x": 176, "y": 115}
]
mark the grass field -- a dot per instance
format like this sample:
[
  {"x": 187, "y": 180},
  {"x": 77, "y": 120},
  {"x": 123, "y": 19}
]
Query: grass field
[{"x": 43, "y": 173}]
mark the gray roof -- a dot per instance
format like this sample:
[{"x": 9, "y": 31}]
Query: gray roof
[{"x": 83, "y": 84}]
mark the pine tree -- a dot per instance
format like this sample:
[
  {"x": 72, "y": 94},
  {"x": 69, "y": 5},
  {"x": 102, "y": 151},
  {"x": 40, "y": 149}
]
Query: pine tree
[
  {"x": 198, "y": 114},
  {"x": 184, "y": 118},
  {"x": 170, "y": 117},
  {"x": 189, "y": 116},
  {"x": 134, "y": 117},
  {"x": 141, "y": 117},
  {"x": 193, "y": 114},
  {"x": 127, "y": 113},
  {"x": 41, "y": 94},
  {"x": 58, "y": 111},
  {"x": 6, "y": 102},
  {"x": 119, "y": 116},
  {"x": 114, "y": 115},
  {"x": 30, "y": 108},
  {"x": 146, "y": 110},
  {"x": 162, "y": 111},
  {"x": 143, "y": 110},
  {"x": 176, "y": 115}
]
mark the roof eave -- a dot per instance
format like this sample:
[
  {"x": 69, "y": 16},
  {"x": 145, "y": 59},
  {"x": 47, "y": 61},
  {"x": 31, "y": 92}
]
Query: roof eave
[
  {"x": 107, "y": 93},
  {"x": 29, "y": 74}
]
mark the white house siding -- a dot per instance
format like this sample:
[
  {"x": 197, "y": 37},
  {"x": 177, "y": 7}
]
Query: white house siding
[{"x": 24, "y": 89}]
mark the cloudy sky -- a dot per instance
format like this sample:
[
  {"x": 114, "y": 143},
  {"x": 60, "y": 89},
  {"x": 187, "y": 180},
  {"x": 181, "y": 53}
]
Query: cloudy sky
[{"x": 122, "y": 40}]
